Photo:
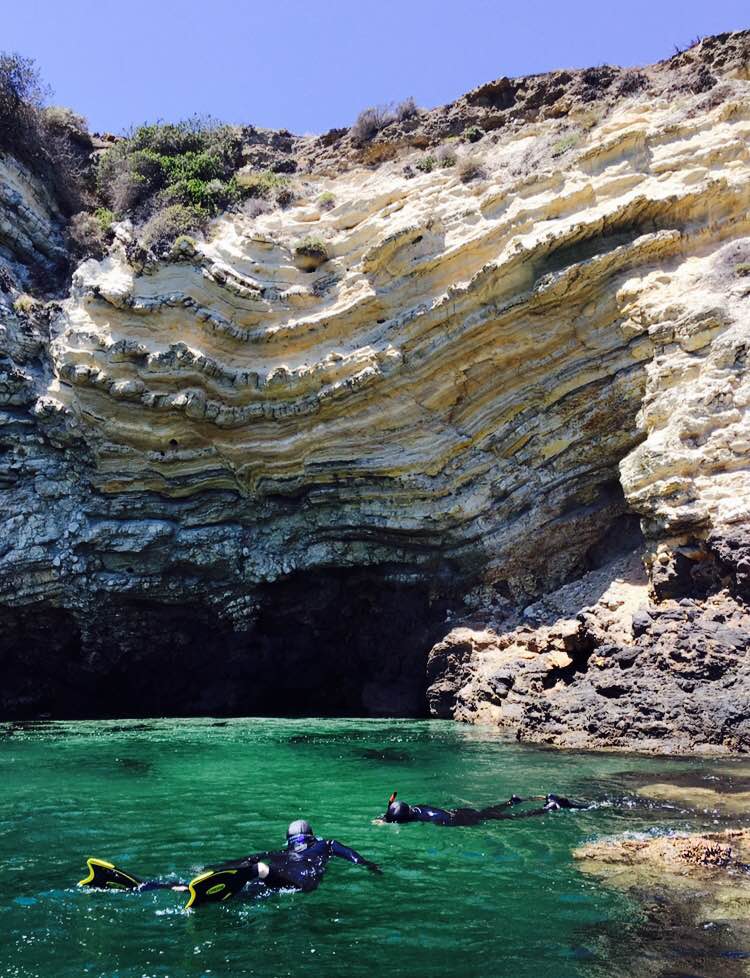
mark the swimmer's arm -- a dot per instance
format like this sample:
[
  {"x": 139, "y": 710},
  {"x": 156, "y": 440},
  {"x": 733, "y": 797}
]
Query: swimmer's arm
[{"x": 352, "y": 856}]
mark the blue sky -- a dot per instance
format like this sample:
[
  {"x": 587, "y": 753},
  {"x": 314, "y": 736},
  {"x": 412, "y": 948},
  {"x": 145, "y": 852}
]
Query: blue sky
[{"x": 310, "y": 66}]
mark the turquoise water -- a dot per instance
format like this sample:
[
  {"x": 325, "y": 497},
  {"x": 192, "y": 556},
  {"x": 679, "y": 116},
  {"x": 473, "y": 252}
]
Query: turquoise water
[{"x": 170, "y": 797}]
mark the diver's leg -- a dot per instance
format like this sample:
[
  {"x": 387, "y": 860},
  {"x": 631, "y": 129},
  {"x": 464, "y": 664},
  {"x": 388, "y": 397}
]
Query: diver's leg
[
  {"x": 176, "y": 885},
  {"x": 463, "y": 816},
  {"x": 501, "y": 810}
]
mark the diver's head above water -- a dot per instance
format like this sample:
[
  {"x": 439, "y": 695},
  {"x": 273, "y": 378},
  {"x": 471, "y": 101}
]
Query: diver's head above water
[
  {"x": 397, "y": 811},
  {"x": 299, "y": 835}
]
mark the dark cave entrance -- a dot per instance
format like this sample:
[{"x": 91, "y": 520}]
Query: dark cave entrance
[{"x": 324, "y": 643}]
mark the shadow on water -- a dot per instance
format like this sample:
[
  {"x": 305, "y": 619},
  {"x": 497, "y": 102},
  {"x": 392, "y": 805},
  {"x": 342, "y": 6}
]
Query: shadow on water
[
  {"x": 388, "y": 755},
  {"x": 132, "y": 765}
]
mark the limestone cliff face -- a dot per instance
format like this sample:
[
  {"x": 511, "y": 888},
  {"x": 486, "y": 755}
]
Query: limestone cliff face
[{"x": 232, "y": 462}]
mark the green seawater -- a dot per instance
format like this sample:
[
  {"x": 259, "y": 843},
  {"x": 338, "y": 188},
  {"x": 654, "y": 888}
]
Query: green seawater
[{"x": 173, "y": 796}]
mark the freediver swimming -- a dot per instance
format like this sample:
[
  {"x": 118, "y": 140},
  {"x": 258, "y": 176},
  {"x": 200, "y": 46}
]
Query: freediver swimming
[
  {"x": 401, "y": 812},
  {"x": 300, "y": 866}
]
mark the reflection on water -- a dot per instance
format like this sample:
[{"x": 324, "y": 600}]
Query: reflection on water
[{"x": 169, "y": 797}]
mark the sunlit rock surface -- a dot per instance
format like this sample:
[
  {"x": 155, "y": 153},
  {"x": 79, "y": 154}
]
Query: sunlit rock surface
[
  {"x": 694, "y": 895},
  {"x": 223, "y": 470}
]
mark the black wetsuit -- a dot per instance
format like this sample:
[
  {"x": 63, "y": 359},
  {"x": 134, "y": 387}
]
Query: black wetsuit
[
  {"x": 473, "y": 816},
  {"x": 300, "y": 868},
  {"x": 454, "y": 816}
]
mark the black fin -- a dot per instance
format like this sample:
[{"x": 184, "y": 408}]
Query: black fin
[
  {"x": 217, "y": 885},
  {"x": 106, "y": 876}
]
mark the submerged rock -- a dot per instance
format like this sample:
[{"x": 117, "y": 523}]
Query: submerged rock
[
  {"x": 673, "y": 860},
  {"x": 711, "y": 800},
  {"x": 694, "y": 891}
]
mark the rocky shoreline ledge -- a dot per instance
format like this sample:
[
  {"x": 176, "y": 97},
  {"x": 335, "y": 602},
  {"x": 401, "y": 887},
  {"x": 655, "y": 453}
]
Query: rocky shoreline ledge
[
  {"x": 624, "y": 672},
  {"x": 687, "y": 872},
  {"x": 673, "y": 860},
  {"x": 694, "y": 894}
]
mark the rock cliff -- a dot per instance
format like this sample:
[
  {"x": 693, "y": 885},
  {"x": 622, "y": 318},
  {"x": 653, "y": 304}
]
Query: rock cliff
[{"x": 265, "y": 472}]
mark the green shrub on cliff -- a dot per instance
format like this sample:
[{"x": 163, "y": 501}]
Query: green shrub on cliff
[
  {"x": 52, "y": 142},
  {"x": 59, "y": 118},
  {"x": 105, "y": 217},
  {"x": 445, "y": 156},
  {"x": 191, "y": 163},
  {"x": 426, "y": 164},
  {"x": 169, "y": 224},
  {"x": 86, "y": 236},
  {"x": 311, "y": 247},
  {"x": 25, "y": 304},
  {"x": 266, "y": 185},
  {"x": 370, "y": 121},
  {"x": 565, "y": 143},
  {"x": 22, "y": 94}
]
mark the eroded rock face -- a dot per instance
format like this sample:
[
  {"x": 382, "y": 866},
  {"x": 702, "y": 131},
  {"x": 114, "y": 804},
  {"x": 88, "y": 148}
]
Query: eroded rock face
[
  {"x": 484, "y": 379},
  {"x": 623, "y": 672},
  {"x": 673, "y": 675}
]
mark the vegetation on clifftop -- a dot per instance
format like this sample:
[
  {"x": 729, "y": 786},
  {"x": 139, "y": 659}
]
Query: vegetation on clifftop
[
  {"x": 168, "y": 178},
  {"x": 52, "y": 141},
  {"x": 191, "y": 163}
]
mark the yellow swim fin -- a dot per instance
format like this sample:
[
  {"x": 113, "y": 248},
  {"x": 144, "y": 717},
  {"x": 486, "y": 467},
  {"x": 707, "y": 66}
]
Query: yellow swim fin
[
  {"x": 106, "y": 876},
  {"x": 215, "y": 886}
]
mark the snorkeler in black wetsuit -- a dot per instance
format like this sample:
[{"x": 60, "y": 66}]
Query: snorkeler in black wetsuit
[
  {"x": 300, "y": 866},
  {"x": 399, "y": 811}
]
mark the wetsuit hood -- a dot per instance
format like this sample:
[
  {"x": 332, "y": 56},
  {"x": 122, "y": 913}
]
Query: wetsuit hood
[
  {"x": 398, "y": 811},
  {"x": 299, "y": 835},
  {"x": 299, "y": 827}
]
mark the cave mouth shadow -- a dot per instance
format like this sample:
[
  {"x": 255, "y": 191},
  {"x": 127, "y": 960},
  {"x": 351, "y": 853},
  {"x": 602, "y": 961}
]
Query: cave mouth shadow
[{"x": 329, "y": 642}]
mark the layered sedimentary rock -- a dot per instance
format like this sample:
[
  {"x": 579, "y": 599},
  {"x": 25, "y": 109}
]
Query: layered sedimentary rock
[
  {"x": 611, "y": 672},
  {"x": 233, "y": 478}
]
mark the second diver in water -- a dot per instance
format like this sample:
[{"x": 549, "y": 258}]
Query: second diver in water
[{"x": 399, "y": 811}]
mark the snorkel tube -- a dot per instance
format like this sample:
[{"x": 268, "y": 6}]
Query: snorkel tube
[
  {"x": 397, "y": 811},
  {"x": 390, "y": 802}
]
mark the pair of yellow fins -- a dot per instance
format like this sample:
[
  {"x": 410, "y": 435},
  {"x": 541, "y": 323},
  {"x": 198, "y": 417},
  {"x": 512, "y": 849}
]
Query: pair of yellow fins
[{"x": 211, "y": 886}]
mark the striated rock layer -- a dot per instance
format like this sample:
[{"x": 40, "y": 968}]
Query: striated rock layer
[{"x": 228, "y": 474}]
